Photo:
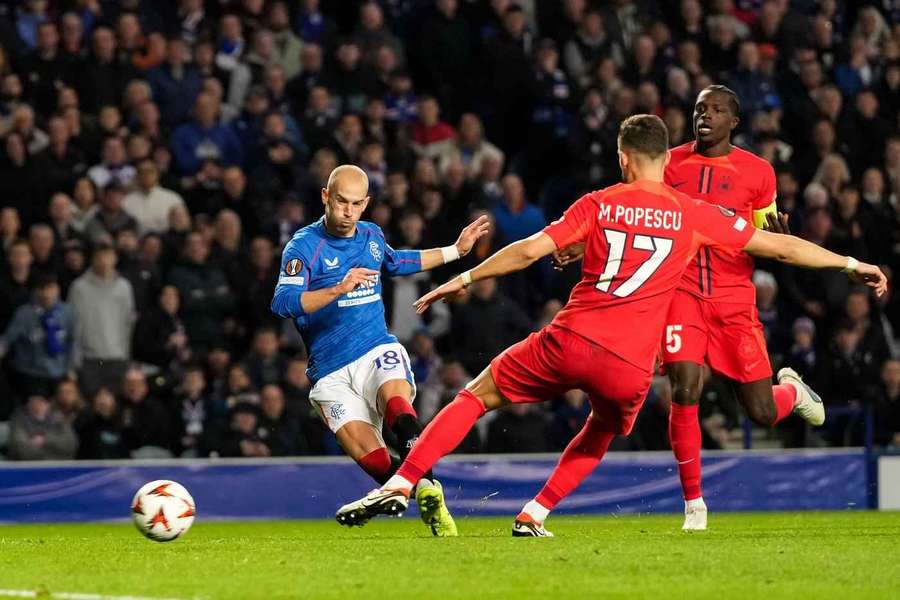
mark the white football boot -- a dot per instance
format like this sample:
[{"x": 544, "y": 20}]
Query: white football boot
[
  {"x": 694, "y": 515},
  {"x": 808, "y": 405}
]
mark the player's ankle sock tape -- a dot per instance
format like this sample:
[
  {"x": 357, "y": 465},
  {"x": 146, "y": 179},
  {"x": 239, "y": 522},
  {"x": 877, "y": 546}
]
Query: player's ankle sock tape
[
  {"x": 445, "y": 432},
  {"x": 578, "y": 460},
  {"x": 377, "y": 463},
  {"x": 686, "y": 440},
  {"x": 785, "y": 396},
  {"x": 396, "y": 407}
]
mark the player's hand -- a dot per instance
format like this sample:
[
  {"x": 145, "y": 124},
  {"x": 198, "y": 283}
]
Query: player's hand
[
  {"x": 569, "y": 254},
  {"x": 356, "y": 277},
  {"x": 871, "y": 276},
  {"x": 450, "y": 290},
  {"x": 777, "y": 224},
  {"x": 471, "y": 233}
]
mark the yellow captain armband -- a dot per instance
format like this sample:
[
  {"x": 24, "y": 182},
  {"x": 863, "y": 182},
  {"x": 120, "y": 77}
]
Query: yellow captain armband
[{"x": 760, "y": 216}]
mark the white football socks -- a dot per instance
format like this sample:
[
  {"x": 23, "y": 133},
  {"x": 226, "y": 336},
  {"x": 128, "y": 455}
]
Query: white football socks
[
  {"x": 398, "y": 483},
  {"x": 536, "y": 511},
  {"x": 695, "y": 503}
]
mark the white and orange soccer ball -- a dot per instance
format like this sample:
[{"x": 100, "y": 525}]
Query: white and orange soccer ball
[{"x": 163, "y": 510}]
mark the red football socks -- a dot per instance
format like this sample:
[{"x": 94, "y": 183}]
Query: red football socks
[
  {"x": 785, "y": 395},
  {"x": 443, "y": 435},
  {"x": 377, "y": 463},
  {"x": 578, "y": 460},
  {"x": 396, "y": 406},
  {"x": 686, "y": 440}
]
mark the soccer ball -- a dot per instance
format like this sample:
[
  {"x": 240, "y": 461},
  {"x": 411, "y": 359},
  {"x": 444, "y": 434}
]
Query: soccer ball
[{"x": 163, "y": 510}]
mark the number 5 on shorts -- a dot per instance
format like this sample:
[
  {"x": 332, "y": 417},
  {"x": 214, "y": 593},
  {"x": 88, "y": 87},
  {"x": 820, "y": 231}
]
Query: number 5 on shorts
[{"x": 673, "y": 338}]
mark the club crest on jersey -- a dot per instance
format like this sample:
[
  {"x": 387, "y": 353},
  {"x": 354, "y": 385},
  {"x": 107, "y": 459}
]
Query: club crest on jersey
[
  {"x": 725, "y": 183},
  {"x": 294, "y": 266},
  {"x": 728, "y": 212},
  {"x": 375, "y": 250}
]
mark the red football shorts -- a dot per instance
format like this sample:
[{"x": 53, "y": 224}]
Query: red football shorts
[
  {"x": 726, "y": 336},
  {"x": 552, "y": 361}
]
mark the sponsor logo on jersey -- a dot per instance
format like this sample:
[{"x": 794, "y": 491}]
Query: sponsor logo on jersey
[
  {"x": 332, "y": 263},
  {"x": 375, "y": 250},
  {"x": 728, "y": 212},
  {"x": 294, "y": 266},
  {"x": 358, "y": 301}
]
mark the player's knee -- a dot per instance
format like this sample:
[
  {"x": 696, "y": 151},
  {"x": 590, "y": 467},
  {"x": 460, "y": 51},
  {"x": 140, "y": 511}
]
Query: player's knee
[{"x": 685, "y": 391}]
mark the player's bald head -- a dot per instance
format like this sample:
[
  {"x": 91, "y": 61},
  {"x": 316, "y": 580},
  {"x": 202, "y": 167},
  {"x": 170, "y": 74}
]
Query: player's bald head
[{"x": 348, "y": 181}]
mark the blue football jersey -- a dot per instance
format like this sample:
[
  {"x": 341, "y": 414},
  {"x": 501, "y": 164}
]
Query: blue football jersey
[{"x": 353, "y": 324}]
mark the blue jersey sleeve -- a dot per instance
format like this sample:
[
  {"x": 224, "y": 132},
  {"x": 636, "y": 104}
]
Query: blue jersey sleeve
[
  {"x": 293, "y": 280},
  {"x": 400, "y": 262}
]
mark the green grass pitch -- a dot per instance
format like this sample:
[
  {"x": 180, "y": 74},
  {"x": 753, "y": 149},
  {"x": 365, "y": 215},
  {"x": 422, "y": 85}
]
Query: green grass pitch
[{"x": 844, "y": 555}]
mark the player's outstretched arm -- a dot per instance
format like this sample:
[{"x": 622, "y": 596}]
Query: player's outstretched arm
[
  {"x": 795, "y": 251},
  {"x": 509, "y": 259},
  {"x": 356, "y": 277},
  {"x": 293, "y": 300},
  {"x": 439, "y": 256}
]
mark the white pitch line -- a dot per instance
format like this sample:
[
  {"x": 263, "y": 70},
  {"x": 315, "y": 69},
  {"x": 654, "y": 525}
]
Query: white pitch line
[{"x": 71, "y": 595}]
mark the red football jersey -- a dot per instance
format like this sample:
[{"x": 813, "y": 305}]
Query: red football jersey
[
  {"x": 740, "y": 181},
  {"x": 639, "y": 237}
]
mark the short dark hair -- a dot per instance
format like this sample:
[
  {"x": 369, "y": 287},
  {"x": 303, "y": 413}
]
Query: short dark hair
[
  {"x": 733, "y": 103},
  {"x": 644, "y": 134}
]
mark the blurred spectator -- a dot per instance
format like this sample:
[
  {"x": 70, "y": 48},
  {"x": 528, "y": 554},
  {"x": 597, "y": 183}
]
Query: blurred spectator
[
  {"x": 242, "y": 437},
  {"x": 287, "y": 45},
  {"x": 886, "y": 398},
  {"x": 39, "y": 337},
  {"x": 204, "y": 139},
  {"x": 194, "y": 412},
  {"x": 500, "y": 321},
  {"x": 149, "y": 204},
  {"x": 160, "y": 338},
  {"x": 206, "y": 299},
  {"x": 147, "y": 425},
  {"x": 175, "y": 83},
  {"x": 39, "y": 432},
  {"x": 104, "y": 314},
  {"x": 431, "y": 136},
  {"x": 516, "y": 218},
  {"x": 278, "y": 428},
  {"x": 569, "y": 418},
  {"x": 16, "y": 281},
  {"x": 469, "y": 148},
  {"x": 113, "y": 168},
  {"x": 518, "y": 428},
  {"x": 102, "y": 434},
  {"x": 265, "y": 364},
  {"x": 111, "y": 218}
]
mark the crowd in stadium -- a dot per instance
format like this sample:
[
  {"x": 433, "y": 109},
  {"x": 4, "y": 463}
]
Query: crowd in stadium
[{"x": 156, "y": 157}]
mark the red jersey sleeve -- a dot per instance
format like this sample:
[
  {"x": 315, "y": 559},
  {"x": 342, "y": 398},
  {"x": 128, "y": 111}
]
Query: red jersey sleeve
[
  {"x": 575, "y": 223},
  {"x": 718, "y": 226},
  {"x": 766, "y": 194}
]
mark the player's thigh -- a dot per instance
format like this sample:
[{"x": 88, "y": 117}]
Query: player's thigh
[
  {"x": 530, "y": 371},
  {"x": 686, "y": 336},
  {"x": 485, "y": 389},
  {"x": 737, "y": 346},
  {"x": 383, "y": 373},
  {"x": 338, "y": 403},
  {"x": 617, "y": 390}
]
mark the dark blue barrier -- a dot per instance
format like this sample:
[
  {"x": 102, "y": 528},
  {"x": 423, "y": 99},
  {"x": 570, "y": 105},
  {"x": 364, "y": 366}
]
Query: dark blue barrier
[{"x": 495, "y": 485}]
